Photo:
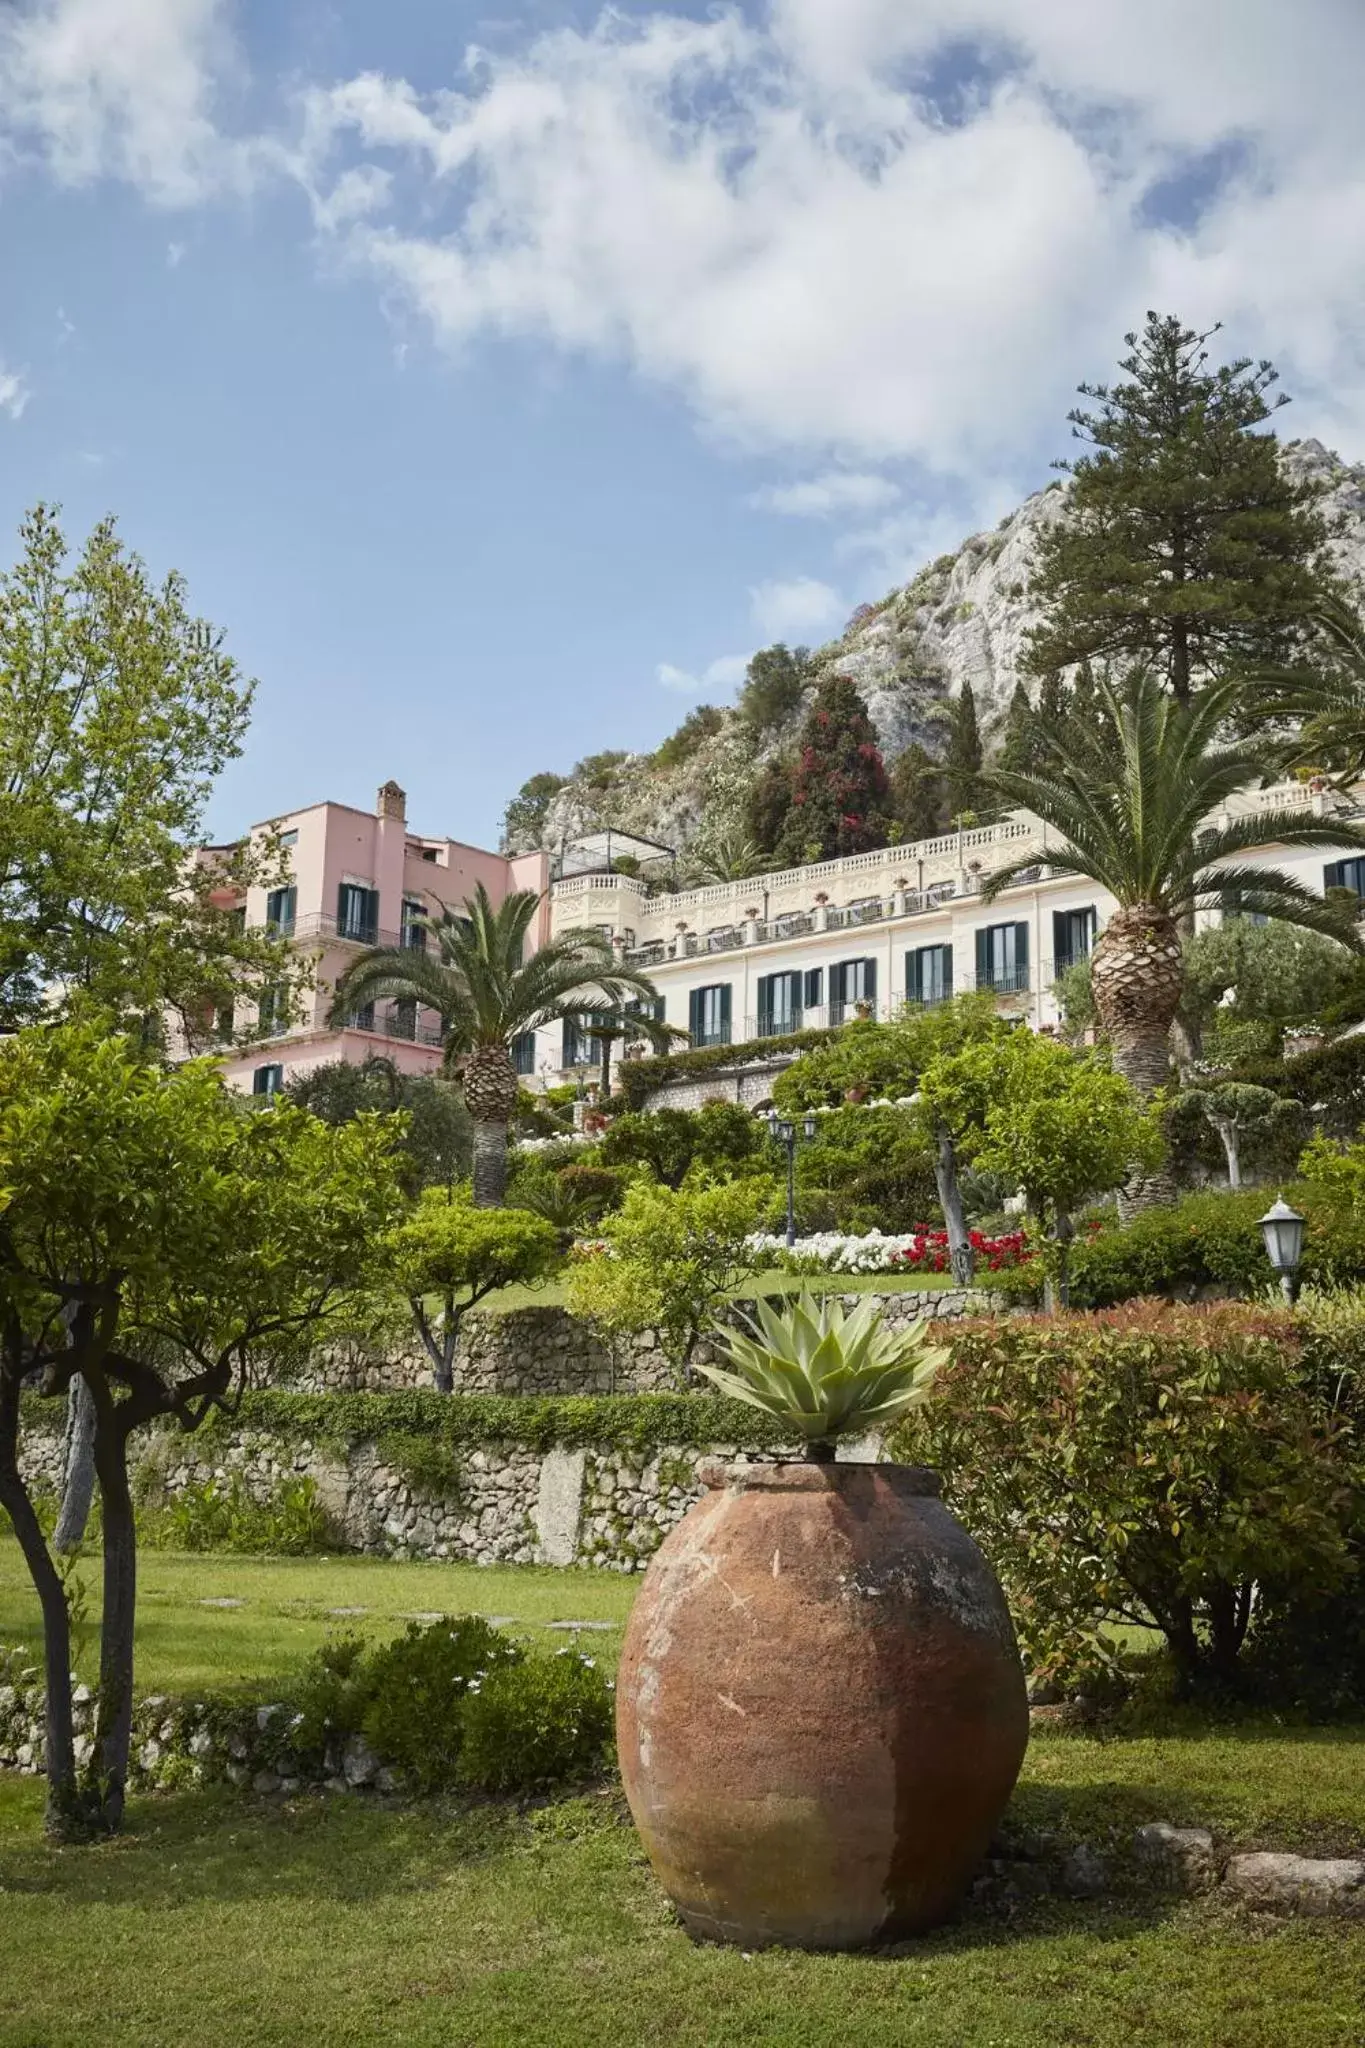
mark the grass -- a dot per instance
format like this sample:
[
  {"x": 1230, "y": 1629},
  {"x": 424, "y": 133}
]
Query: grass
[
  {"x": 337, "y": 1921},
  {"x": 289, "y": 1607},
  {"x": 551, "y": 1295}
]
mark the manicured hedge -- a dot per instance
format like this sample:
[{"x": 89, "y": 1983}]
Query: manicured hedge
[
  {"x": 635, "y": 1422},
  {"x": 638, "y": 1079},
  {"x": 1330, "y": 1081}
]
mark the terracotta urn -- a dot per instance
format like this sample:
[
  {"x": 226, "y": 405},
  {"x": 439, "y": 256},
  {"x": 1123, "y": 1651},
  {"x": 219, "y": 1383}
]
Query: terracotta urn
[{"x": 821, "y": 1711}]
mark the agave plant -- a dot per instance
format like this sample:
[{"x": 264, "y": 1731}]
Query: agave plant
[{"x": 824, "y": 1372}]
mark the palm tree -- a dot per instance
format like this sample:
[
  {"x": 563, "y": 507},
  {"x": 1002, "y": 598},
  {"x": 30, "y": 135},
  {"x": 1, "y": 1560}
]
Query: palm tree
[
  {"x": 1137, "y": 799},
  {"x": 1327, "y": 700},
  {"x": 487, "y": 994}
]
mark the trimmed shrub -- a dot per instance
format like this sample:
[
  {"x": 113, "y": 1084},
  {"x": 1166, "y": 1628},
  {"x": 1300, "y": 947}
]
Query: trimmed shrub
[
  {"x": 415, "y": 1690},
  {"x": 456, "y": 1702},
  {"x": 1205, "y": 1241},
  {"x": 547, "y": 1721},
  {"x": 1149, "y": 1466}
]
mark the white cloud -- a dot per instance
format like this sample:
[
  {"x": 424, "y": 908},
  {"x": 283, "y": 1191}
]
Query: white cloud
[
  {"x": 124, "y": 88},
  {"x": 14, "y": 393},
  {"x": 726, "y": 672},
  {"x": 818, "y": 497},
  {"x": 798, "y": 610},
  {"x": 780, "y": 220}
]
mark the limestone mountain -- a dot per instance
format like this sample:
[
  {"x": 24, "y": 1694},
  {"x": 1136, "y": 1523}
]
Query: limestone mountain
[{"x": 961, "y": 619}]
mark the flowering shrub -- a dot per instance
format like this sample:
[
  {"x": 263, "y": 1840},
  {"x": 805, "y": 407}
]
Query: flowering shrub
[{"x": 921, "y": 1251}]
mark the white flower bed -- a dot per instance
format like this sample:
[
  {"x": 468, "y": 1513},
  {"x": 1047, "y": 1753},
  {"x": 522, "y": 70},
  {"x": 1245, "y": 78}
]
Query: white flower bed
[{"x": 834, "y": 1251}]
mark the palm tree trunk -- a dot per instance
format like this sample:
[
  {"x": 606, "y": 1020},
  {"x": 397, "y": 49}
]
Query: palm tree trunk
[{"x": 490, "y": 1164}]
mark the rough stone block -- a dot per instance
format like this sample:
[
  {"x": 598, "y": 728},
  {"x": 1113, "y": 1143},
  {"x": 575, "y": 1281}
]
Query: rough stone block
[{"x": 1316, "y": 1886}]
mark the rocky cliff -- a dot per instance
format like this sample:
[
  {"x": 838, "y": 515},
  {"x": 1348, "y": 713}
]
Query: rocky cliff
[{"x": 962, "y": 619}]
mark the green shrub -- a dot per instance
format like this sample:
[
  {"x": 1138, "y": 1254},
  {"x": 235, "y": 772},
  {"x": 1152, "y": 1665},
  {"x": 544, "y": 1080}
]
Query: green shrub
[
  {"x": 598, "y": 1188},
  {"x": 1210, "y": 1240},
  {"x": 1150, "y": 1466},
  {"x": 546, "y": 1721},
  {"x": 638, "y": 1079},
  {"x": 415, "y": 1688},
  {"x": 456, "y": 1702},
  {"x": 226, "y": 1515}
]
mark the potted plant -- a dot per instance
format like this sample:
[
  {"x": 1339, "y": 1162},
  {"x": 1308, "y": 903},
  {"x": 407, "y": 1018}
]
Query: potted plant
[{"x": 821, "y": 1711}]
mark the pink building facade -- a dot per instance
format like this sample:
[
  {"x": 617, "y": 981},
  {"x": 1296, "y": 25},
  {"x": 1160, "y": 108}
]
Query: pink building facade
[{"x": 361, "y": 879}]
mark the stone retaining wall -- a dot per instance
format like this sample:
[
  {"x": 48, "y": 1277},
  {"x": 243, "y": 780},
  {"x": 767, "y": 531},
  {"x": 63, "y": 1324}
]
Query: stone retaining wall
[{"x": 546, "y": 1351}]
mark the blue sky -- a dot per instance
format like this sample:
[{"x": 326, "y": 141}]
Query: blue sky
[{"x": 499, "y": 411}]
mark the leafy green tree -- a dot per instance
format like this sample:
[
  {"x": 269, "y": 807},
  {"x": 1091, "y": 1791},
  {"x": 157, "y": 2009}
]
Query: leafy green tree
[
  {"x": 1245, "y": 982},
  {"x": 447, "y": 1255},
  {"x": 839, "y": 786},
  {"x": 670, "y": 1258},
  {"x": 118, "y": 710},
  {"x": 1238, "y": 1111},
  {"x": 962, "y": 762},
  {"x": 523, "y": 822},
  {"x": 437, "y": 1143},
  {"x": 888, "y": 1061},
  {"x": 166, "y": 1245},
  {"x": 700, "y": 725},
  {"x": 1059, "y": 1125},
  {"x": 775, "y": 682},
  {"x": 487, "y": 993},
  {"x": 1183, "y": 546},
  {"x": 1132, "y": 806},
  {"x": 720, "y": 1136},
  {"x": 866, "y": 1168}
]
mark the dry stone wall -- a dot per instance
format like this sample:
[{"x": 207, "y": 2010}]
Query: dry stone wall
[{"x": 546, "y": 1351}]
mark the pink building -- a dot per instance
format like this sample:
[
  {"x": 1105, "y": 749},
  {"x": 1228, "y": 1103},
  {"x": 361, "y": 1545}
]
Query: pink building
[{"x": 361, "y": 879}]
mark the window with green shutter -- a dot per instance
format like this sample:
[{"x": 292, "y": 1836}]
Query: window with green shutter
[
  {"x": 1073, "y": 935},
  {"x": 779, "y": 1004},
  {"x": 709, "y": 1014},
  {"x": 1002, "y": 959},
  {"x": 358, "y": 913},
  {"x": 280, "y": 906},
  {"x": 929, "y": 975},
  {"x": 853, "y": 986}
]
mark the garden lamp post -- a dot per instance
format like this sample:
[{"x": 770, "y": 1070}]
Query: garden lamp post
[
  {"x": 1282, "y": 1229},
  {"x": 784, "y": 1130}
]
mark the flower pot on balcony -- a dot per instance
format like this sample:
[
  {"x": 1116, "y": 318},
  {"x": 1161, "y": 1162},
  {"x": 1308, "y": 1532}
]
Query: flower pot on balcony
[
  {"x": 820, "y": 1710},
  {"x": 857, "y": 1093}
]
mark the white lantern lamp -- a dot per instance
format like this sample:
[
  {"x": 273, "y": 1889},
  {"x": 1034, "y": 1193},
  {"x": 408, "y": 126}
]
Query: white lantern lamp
[{"x": 1283, "y": 1229}]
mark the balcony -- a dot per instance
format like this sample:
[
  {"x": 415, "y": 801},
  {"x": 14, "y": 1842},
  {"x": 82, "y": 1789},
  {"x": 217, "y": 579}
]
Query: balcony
[{"x": 1005, "y": 981}]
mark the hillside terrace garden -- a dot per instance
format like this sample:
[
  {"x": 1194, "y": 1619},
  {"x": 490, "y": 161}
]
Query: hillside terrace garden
[{"x": 379, "y": 1796}]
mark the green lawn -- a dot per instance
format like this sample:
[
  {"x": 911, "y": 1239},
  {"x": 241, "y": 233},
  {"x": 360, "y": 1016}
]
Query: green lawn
[
  {"x": 333, "y": 1921},
  {"x": 330, "y": 1921},
  {"x": 551, "y": 1295},
  {"x": 289, "y": 1606}
]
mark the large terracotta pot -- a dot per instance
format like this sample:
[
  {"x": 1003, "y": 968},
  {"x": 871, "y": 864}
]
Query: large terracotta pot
[{"x": 820, "y": 1709}]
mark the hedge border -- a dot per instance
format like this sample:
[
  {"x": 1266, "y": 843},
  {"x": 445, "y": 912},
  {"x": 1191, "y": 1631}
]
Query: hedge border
[
  {"x": 639, "y": 1078},
  {"x": 458, "y": 1422}
]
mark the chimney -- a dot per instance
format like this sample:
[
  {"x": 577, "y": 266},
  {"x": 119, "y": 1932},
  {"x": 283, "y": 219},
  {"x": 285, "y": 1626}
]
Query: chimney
[{"x": 392, "y": 802}]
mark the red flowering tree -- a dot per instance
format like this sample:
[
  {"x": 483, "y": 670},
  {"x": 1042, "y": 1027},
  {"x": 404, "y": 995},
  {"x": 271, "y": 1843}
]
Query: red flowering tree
[{"x": 839, "y": 784}]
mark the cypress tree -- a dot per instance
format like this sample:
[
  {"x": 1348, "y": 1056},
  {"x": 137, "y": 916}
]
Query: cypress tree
[
  {"x": 919, "y": 801},
  {"x": 962, "y": 762},
  {"x": 839, "y": 785},
  {"x": 1183, "y": 546},
  {"x": 1019, "y": 749}
]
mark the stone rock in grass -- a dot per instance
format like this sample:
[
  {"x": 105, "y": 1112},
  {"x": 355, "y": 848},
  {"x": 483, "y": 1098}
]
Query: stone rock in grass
[
  {"x": 359, "y": 1764},
  {"x": 1313, "y": 1885},
  {"x": 1085, "y": 1874},
  {"x": 1181, "y": 1859}
]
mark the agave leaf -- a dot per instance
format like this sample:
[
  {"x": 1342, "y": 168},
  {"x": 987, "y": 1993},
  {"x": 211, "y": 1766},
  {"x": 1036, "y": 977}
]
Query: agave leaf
[{"x": 741, "y": 1390}]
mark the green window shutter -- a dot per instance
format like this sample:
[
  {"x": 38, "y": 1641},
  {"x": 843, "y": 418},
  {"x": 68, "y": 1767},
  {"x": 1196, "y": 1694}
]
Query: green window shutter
[
  {"x": 869, "y": 994},
  {"x": 1331, "y": 875},
  {"x": 947, "y": 953},
  {"x": 1061, "y": 940},
  {"x": 983, "y": 958},
  {"x": 725, "y": 1013},
  {"x": 694, "y": 1015},
  {"x": 913, "y": 977},
  {"x": 815, "y": 987},
  {"x": 1021, "y": 953}
]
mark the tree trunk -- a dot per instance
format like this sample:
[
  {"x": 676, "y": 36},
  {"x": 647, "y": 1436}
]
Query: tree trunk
[
  {"x": 961, "y": 1257},
  {"x": 1227, "y": 1131},
  {"x": 114, "y": 1725},
  {"x": 78, "y": 1490},
  {"x": 490, "y": 1164},
  {"x": 441, "y": 1344},
  {"x": 63, "y": 1805}
]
